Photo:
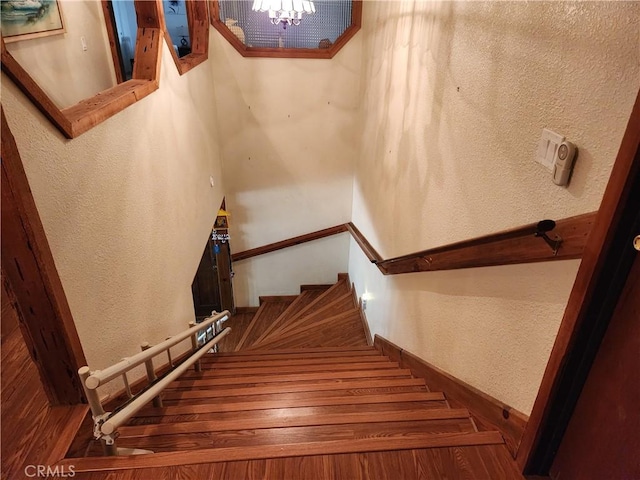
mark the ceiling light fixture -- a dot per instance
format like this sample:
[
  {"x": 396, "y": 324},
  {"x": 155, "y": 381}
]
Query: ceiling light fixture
[{"x": 284, "y": 11}]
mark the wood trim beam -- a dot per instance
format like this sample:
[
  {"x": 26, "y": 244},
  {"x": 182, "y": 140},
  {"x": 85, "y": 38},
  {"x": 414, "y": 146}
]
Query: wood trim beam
[
  {"x": 88, "y": 113},
  {"x": 518, "y": 245},
  {"x": 198, "y": 18},
  {"x": 319, "y": 53},
  {"x": 29, "y": 268},
  {"x": 33, "y": 92},
  {"x": 272, "y": 247},
  {"x": 77, "y": 119},
  {"x": 491, "y": 412},
  {"x": 596, "y": 252}
]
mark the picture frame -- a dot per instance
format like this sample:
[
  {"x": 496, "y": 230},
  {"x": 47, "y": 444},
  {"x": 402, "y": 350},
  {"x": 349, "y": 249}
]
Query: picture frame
[{"x": 27, "y": 19}]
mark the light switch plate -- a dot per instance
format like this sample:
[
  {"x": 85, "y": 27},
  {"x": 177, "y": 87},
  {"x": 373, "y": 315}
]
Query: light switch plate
[{"x": 547, "y": 148}]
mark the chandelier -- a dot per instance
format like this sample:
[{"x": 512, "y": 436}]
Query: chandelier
[{"x": 285, "y": 11}]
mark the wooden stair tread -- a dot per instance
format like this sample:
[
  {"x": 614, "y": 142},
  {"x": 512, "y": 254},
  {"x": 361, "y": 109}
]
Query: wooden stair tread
[
  {"x": 269, "y": 310},
  {"x": 328, "y": 350},
  {"x": 302, "y": 402},
  {"x": 291, "y": 412},
  {"x": 301, "y": 302},
  {"x": 274, "y": 436},
  {"x": 338, "y": 305},
  {"x": 212, "y": 361},
  {"x": 239, "y": 371},
  {"x": 293, "y": 421},
  {"x": 230, "y": 391},
  {"x": 226, "y": 454},
  {"x": 330, "y": 330},
  {"x": 331, "y": 307},
  {"x": 213, "y": 365},
  {"x": 240, "y": 322},
  {"x": 340, "y": 288},
  {"x": 201, "y": 397},
  {"x": 293, "y": 377}
]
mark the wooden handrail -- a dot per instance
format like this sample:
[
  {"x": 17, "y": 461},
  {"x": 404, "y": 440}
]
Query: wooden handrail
[
  {"x": 367, "y": 248},
  {"x": 516, "y": 245},
  {"x": 272, "y": 247}
]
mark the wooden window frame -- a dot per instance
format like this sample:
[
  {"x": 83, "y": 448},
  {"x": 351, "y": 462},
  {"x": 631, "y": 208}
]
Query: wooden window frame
[
  {"x": 326, "y": 53},
  {"x": 81, "y": 117},
  {"x": 198, "y": 20}
]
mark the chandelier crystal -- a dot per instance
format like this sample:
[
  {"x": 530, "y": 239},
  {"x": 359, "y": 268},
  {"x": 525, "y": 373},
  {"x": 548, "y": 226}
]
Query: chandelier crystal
[{"x": 284, "y": 11}]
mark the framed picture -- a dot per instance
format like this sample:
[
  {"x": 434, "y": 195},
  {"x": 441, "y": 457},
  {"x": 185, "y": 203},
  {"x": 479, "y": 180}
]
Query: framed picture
[{"x": 24, "y": 19}]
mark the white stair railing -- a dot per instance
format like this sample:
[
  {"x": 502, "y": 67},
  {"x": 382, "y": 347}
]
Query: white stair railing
[{"x": 204, "y": 337}]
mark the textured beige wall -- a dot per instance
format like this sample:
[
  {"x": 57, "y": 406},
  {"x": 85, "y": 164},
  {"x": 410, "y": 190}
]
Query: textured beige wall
[
  {"x": 127, "y": 208},
  {"x": 287, "y": 132},
  {"x": 57, "y": 62},
  {"x": 456, "y": 97}
]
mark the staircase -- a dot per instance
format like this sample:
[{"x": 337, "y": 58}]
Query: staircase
[{"x": 301, "y": 381}]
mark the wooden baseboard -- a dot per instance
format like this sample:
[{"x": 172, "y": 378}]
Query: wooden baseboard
[{"x": 486, "y": 410}]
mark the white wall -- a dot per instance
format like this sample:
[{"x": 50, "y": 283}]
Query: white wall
[
  {"x": 455, "y": 99},
  {"x": 59, "y": 65},
  {"x": 282, "y": 272},
  {"x": 127, "y": 208},
  {"x": 287, "y": 133}
]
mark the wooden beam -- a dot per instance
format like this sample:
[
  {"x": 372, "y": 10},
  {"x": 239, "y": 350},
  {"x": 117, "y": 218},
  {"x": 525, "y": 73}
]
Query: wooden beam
[
  {"x": 593, "y": 269},
  {"x": 148, "y": 53},
  {"x": 86, "y": 114},
  {"x": 77, "y": 119},
  {"x": 513, "y": 246},
  {"x": 490, "y": 411},
  {"x": 34, "y": 93},
  {"x": 29, "y": 268},
  {"x": 272, "y": 247},
  {"x": 198, "y": 18}
]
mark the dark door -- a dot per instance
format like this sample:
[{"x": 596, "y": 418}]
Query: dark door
[
  {"x": 223, "y": 260},
  {"x": 602, "y": 440},
  {"x": 205, "y": 286}
]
